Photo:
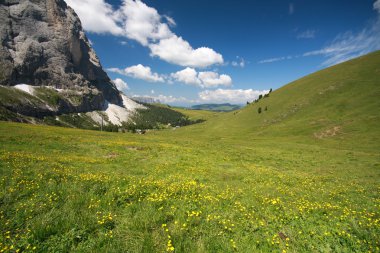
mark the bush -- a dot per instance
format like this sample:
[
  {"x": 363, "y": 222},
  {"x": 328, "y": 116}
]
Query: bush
[{"x": 259, "y": 110}]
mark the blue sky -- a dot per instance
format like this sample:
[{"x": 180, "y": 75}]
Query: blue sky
[{"x": 191, "y": 52}]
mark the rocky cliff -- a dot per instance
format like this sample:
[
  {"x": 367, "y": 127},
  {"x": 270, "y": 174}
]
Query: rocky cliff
[{"x": 43, "y": 44}]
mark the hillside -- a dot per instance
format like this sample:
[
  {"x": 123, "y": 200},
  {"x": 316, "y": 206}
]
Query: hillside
[
  {"x": 197, "y": 114},
  {"x": 16, "y": 103},
  {"x": 239, "y": 182},
  {"x": 159, "y": 116},
  {"x": 335, "y": 106}
]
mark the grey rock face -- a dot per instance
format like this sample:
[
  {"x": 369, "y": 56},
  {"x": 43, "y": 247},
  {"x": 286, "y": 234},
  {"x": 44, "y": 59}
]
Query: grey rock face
[{"x": 43, "y": 44}]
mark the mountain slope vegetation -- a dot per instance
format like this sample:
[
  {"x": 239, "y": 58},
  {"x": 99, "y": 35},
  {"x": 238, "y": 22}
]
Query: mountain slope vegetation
[
  {"x": 276, "y": 181},
  {"x": 338, "y": 105}
]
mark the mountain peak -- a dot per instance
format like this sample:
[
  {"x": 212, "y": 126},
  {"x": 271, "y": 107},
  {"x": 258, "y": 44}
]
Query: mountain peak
[{"x": 43, "y": 44}]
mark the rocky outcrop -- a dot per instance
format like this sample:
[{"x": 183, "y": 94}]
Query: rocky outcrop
[
  {"x": 43, "y": 44},
  {"x": 40, "y": 102}
]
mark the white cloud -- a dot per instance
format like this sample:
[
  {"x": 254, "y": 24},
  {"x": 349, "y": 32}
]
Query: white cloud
[
  {"x": 96, "y": 16},
  {"x": 168, "y": 99},
  {"x": 178, "y": 51},
  {"x": 206, "y": 79},
  {"x": 171, "y": 99},
  {"x": 346, "y": 46},
  {"x": 308, "y": 34},
  {"x": 135, "y": 20},
  {"x": 139, "y": 72},
  {"x": 120, "y": 84},
  {"x": 187, "y": 76},
  {"x": 350, "y": 45},
  {"x": 143, "y": 23},
  {"x": 238, "y": 96},
  {"x": 270, "y": 60},
  {"x": 170, "y": 20},
  {"x": 212, "y": 79},
  {"x": 376, "y": 6}
]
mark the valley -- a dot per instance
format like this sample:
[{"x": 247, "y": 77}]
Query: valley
[
  {"x": 249, "y": 127},
  {"x": 240, "y": 181}
]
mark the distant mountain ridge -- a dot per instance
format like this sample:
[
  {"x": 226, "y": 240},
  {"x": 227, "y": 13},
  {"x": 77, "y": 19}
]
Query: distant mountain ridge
[
  {"x": 216, "y": 107},
  {"x": 146, "y": 100}
]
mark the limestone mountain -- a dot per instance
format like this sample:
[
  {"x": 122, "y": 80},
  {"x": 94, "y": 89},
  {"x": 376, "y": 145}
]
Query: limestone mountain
[{"x": 43, "y": 45}]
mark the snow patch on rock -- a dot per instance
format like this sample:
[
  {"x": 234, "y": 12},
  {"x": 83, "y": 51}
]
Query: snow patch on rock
[{"x": 26, "y": 88}]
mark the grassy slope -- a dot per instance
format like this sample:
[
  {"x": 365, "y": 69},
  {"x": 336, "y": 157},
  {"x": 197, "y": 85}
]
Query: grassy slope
[
  {"x": 224, "y": 185},
  {"x": 158, "y": 115},
  {"x": 344, "y": 96},
  {"x": 197, "y": 114}
]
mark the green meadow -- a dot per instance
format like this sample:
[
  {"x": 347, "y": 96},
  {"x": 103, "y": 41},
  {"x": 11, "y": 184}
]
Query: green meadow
[{"x": 301, "y": 176}]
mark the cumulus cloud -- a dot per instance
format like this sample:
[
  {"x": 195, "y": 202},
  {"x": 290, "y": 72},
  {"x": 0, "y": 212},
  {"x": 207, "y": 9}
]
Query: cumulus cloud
[
  {"x": 135, "y": 20},
  {"x": 168, "y": 99},
  {"x": 187, "y": 76},
  {"x": 237, "y": 96},
  {"x": 139, "y": 72},
  {"x": 178, "y": 51},
  {"x": 208, "y": 79},
  {"x": 142, "y": 23},
  {"x": 120, "y": 84},
  {"x": 308, "y": 34},
  {"x": 96, "y": 16},
  {"x": 171, "y": 99},
  {"x": 213, "y": 79}
]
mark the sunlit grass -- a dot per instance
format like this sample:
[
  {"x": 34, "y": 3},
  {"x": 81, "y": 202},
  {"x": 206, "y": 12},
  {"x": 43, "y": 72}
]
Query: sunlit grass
[{"x": 66, "y": 190}]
